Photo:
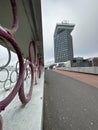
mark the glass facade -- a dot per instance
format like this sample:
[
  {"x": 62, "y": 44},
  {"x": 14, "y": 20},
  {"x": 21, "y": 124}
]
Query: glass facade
[{"x": 63, "y": 48}]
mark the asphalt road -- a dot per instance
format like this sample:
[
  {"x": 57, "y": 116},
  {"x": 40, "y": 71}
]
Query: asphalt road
[{"x": 69, "y": 104}]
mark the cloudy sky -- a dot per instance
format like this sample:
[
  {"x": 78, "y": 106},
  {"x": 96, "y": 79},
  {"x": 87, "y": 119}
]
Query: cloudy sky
[
  {"x": 83, "y": 13},
  {"x": 4, "y": 57}
]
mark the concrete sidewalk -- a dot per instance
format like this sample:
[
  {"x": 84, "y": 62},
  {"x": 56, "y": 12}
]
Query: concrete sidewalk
[{"x": 29, "y": 117}]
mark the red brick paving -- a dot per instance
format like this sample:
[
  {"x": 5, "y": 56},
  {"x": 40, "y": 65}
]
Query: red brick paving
[{"x": 86, "y": 78}]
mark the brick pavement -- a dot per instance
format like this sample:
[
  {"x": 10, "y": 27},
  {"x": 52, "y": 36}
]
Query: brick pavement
[{"x": 86, "y": 78}]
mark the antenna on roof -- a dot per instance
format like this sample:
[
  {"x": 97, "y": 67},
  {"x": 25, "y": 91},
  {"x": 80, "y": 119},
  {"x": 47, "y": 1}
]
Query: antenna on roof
[{"x": 65, "y": 21}]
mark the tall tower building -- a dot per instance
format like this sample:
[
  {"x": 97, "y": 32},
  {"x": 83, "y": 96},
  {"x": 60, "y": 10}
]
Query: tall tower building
[{"x": 63, "y": 47}]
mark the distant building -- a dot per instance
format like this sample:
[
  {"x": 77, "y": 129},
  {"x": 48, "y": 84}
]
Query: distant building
[
  {"x": 81, "y": 62},
  {"x": 93, "y": 61},
  {"x": 63, "y": 47}
]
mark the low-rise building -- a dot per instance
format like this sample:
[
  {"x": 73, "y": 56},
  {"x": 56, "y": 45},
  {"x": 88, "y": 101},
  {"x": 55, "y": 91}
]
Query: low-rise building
[
  {"x": 81, "y": 62},
  {"x": 93, "y": 61}
]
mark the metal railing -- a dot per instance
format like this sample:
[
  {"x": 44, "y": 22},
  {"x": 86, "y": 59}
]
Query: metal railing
[{"x": 25, "y": 68}]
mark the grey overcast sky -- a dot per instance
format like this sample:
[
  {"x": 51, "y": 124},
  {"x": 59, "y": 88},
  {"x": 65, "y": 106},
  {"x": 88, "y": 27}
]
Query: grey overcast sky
[
  {"x": 83, "y": 13},
  {"x": 4, "y": 56}
]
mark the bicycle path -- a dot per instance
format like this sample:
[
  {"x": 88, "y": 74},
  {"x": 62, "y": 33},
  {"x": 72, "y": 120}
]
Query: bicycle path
[
  {"x": 69, "y": 104},
  {"x": 86, "y": 78}
]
